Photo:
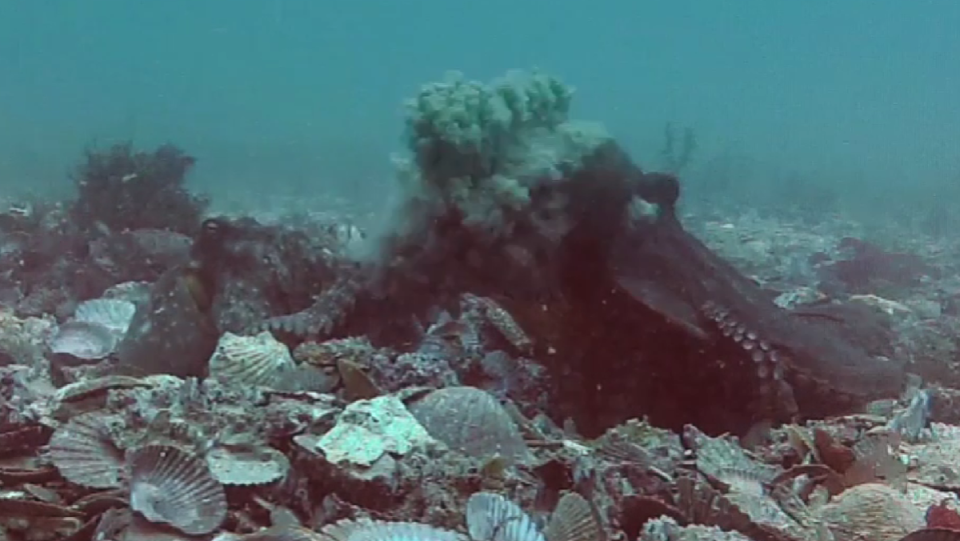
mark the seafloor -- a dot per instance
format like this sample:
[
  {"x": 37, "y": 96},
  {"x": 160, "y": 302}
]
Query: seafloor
[{"x": 88, "y": 454}]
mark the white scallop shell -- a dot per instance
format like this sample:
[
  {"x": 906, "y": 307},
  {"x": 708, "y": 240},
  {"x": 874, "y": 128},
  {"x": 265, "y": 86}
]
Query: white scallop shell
[
  {"x": 83, "y": 340},
  {"x": 84, "y": 454},
  {"x": 574, "y": 519},
  {"x": 250, "y": 360},
  {"x": 171, "y": 486},
  {"x": 491, "y": 517},
  {"x": 114, "y": 314}
]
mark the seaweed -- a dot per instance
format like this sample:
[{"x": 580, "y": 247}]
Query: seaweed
[{"x": 124, "y": 189}]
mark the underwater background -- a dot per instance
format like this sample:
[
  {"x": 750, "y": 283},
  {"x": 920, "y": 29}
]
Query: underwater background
[
  {"x": 858, "y": 99},
  {"x": 268, "y": 274}
]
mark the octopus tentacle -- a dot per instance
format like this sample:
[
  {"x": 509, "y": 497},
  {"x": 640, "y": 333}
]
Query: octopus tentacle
[
  {"x": 784, "y": 379},
  {"x": 764, "y": 363},
  {"x": 329, "y": 309}
]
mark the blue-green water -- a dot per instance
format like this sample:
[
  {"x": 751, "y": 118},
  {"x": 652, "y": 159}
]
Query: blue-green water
[{"x": 294, "y": 95}]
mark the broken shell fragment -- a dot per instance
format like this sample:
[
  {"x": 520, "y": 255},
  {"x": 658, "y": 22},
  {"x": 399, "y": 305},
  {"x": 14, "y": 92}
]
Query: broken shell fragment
[{"x": 247, "y": 466}]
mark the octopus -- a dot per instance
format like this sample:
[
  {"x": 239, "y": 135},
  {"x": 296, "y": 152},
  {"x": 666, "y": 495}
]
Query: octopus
[{"x": 632, "y": 314}]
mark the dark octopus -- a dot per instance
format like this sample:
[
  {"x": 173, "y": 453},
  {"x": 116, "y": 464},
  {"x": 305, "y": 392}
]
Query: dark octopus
[
  {"x": 650, "y": 320},
  {"x": 713, "y": 340}
]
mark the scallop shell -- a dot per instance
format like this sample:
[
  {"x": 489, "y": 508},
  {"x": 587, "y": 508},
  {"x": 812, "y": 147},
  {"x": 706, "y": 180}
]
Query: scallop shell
[
  {"x": 135, "y": 292},
  {"x": 84, "y": 453},
  {"x": 253, "y": 466},
  {"x": 375, "y": 530},
  {"x": 744, "y": 480},
  {"x": 275, "y": 533},
  {"x": 84, "y": 340},
  {"x": 171, "y": 486},
  {"x": 574, "y": 519},
  {"x": 471, "y": 421},
  {"x": 491, "y": 517},
  {"x": 114, "y": 314},
  {"x": 112, "y": 524},
  {"x": 258, "y": 360}
]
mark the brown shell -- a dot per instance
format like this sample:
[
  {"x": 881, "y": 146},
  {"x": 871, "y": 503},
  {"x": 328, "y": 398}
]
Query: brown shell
[{"x": 357, "y": 385}]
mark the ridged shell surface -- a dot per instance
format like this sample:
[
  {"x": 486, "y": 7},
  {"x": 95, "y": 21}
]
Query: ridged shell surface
[
  {"x": 83, "y": 340},
  {"x": 491, "y": 517},
  {"x": 171, "y": 486},
  {"x": 574, "y": 519},
  {"x": 471, "y": 421},
  {"x": 250, "y": 360},
  {"x": 83, "y": 452},
  {"x": 375, "y": 530},
  {"x": 114, "y": 314}
]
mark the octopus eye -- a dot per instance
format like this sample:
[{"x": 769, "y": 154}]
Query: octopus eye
[
  {"x": 211, "y": 226},
  {"x": 213, "y": 233}
]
